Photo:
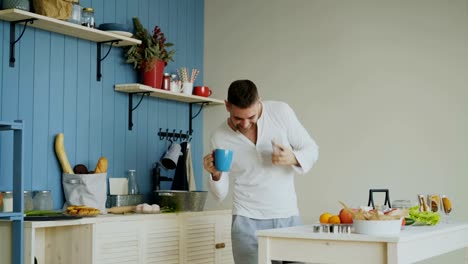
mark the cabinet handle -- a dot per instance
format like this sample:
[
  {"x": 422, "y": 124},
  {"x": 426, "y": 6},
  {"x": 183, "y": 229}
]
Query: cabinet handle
[{"x": 220, "y": 245}]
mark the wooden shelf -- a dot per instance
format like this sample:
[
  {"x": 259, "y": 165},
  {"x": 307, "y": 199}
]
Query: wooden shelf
[
  {"x": 140, "y": 88},
  {"x": 136, "y": 88},
  {"x": 66, "y": 28}
]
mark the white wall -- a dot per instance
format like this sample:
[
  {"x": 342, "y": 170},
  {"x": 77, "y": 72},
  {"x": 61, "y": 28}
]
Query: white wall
[{"x": 380, "y": 85}]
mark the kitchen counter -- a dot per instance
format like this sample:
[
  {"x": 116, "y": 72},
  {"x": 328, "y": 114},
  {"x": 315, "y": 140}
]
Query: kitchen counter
[
  {"x": 413, "y": 244},
  {"x": 107, "y": 218},
  {"x": 181, "y": 237}
]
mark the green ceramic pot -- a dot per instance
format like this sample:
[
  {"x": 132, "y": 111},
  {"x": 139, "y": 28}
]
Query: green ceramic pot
[{"x": 18, "y": 4}]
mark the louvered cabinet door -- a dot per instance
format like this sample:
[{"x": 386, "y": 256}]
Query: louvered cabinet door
[
  {"x": 117, "y": 243},
  {"x": 223, "y": 239},
  {"x": 207, "y": 239},
  {"x": 161, "y": 240},
  {"x": 199, "y": 239}
]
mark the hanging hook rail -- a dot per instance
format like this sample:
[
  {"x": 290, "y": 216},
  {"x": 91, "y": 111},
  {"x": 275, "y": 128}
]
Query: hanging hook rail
[
  {"x": 174, "y": 135},
  {"x": 13, "y": 39}
]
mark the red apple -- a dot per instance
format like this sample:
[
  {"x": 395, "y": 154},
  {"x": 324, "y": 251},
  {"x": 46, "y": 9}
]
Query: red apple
[{"x": 346, "y": 217}]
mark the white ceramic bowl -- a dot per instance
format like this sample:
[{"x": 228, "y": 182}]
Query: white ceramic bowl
[{"x": 377, "y": 227}]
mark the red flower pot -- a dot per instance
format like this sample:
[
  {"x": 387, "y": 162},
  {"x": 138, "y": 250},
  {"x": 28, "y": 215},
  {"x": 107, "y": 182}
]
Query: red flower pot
[{"x": 153, "y": 74}]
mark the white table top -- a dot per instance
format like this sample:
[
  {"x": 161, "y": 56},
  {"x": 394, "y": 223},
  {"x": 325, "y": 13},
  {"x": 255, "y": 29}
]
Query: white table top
[{"x": 408, "y": 233}]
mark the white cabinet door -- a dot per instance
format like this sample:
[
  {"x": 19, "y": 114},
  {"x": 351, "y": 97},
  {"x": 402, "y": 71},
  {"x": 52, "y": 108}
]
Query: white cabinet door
[
  {"x": 206, "y": 239},
  {"x": 152, "y": 239},
  {"x": 162, "y": 241},
  {"x": 117, "y": 242},
  {"x": 223, "y": 239}
]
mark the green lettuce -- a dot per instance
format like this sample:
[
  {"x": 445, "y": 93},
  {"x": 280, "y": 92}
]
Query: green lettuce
[{"x": 425, "y": 218}]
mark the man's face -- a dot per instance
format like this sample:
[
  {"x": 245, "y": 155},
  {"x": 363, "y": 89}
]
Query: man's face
[{"x": 243, "y": 119}]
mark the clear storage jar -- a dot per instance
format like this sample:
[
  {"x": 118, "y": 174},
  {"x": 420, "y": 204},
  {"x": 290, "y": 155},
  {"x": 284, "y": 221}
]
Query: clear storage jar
[
  {"x": 43, "y": 200},
  {"x": 76, "y": 13},
  {"x": 87, "y": 17},
  {"x": 28, "y": 201}
]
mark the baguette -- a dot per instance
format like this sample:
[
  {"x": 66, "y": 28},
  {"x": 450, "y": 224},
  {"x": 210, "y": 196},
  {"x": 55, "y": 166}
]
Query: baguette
[
  {"x": 121, "y": 209},
  {"x": 61, "y": 154},
  {"x": 101, "y": 166}
]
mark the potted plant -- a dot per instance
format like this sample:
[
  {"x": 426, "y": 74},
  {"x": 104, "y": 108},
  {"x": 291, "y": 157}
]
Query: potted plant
[{"x": 151, "y": 56}]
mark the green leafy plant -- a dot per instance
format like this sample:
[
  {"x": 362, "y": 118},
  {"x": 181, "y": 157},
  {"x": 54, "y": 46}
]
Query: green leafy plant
[{"x": 152, "y": 48}]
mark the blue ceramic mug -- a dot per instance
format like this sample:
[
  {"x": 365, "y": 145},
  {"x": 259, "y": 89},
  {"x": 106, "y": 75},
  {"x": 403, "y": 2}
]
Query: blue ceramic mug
[{"x": 223, "y": 159}]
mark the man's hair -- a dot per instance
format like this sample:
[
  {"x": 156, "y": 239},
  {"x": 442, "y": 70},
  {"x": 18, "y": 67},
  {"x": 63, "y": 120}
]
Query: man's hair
[{"x": 242, "y": 93}]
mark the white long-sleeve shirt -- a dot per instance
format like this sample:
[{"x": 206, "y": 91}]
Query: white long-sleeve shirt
[{"x": 262, "y": 190}]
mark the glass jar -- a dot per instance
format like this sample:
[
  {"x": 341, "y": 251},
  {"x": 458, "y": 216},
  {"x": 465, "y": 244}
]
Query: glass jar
[
  {"x": 28, "y": 201},
  {"x": 18, "y": 4},
  {"x": 175, "y": 86},
  {"x": 76, "y": 13},
  {"x": 43, "y": 200},
  {"x": 7, "y": 205},
  {"x": 87, "y": 17},
  {"x": 132, "y": 183},
  {"x": 402, "y": 204}
]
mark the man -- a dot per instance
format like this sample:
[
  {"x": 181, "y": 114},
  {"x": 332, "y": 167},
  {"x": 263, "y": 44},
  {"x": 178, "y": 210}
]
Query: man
[{"x": 270, "y": 147}]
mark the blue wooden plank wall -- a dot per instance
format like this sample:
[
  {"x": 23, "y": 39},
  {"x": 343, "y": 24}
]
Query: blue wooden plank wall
[{"x": 53, "y": 88}]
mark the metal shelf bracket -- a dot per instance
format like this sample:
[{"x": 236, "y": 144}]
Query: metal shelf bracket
[
  {"x": 99, "y": 59},
  {"x": 13, "y": 39},
  {"x": 202, "y": 104},
  {"x": 131, "y": 108}
]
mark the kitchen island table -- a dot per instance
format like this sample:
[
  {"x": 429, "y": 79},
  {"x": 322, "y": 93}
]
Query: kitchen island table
[{"x": 414, "y": 243}]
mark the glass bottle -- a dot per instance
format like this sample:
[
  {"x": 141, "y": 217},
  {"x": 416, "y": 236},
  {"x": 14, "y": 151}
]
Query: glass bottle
[
  {"x": 132, "y": 182},
  {"x": 166, "y": 84},
  {"x": 43, "y": 200},
  {"x": 87, "y": 17},
  {"x": 76, "y": 12}
]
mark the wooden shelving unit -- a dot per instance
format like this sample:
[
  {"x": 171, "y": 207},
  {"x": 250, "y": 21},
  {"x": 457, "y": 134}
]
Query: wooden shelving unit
[
  {"x": 16, "y": 216},
  {"x": 17, "y": 16},
  {"x": 65, "y": 28},
  {"x": 136, "y": 88},
  {"x": 159, "y": 93}
]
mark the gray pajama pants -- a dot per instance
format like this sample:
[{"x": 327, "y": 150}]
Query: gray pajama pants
[{"x": 244, "y": 240}]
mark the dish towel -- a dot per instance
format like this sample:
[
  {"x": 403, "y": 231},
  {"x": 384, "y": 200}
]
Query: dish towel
[{"x": 190, "y": 174}]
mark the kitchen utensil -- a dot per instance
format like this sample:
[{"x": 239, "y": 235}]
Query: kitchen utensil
[
  {"x": 124, "y": 200},
  {"x": 223, "y": 159},
  {"x": 187, "y": 88},
  {"x": 204, "y": 91},
  {"x": 377, "y": 227},
  {"x": 170, "y": 159},
  {"x": 371, "y": 197},
  {"x": 114, "y": 27},
  {"x": 182, "y": 200}
]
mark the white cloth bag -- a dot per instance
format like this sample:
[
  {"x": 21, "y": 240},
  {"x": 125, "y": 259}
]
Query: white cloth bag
[{"x": 85, "y": 189}]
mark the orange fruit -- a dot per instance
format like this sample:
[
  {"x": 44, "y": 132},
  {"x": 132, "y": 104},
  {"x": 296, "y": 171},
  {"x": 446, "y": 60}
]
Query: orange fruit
[
  {"x": 334, "y": 219},
  {"x": 325, "y": 217}
]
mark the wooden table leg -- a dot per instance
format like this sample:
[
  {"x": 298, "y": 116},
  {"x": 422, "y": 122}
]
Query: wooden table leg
[
  {"x": 392, "y": 253},
  {"x": 264, "y": 250}
]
